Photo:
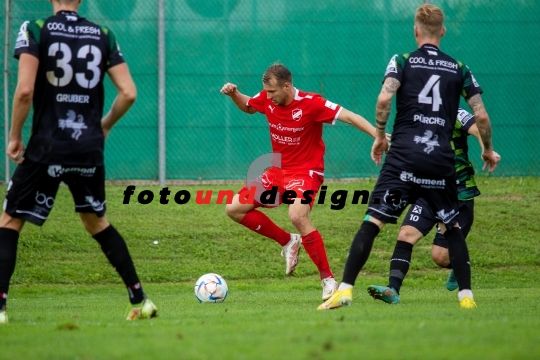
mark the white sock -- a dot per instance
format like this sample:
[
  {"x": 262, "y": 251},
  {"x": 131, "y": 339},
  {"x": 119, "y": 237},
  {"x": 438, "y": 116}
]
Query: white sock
[
  {"x": 464, "y": 293},
  {"x": 344, "y": 286}
]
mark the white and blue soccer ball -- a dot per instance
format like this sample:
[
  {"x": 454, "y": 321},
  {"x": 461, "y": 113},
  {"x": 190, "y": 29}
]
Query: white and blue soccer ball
[{"x": 211, "y": 288}]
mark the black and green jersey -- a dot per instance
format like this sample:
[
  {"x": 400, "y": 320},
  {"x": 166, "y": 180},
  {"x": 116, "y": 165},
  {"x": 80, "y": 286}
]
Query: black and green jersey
[
  {"x": 464, "y": 169},
  {"x": 427, "y": 102},
  {"x": 73, "y": 55}
]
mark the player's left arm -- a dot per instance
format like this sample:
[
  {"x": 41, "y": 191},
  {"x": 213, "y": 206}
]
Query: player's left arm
[
  {"x": 357, "y": 121},
  {"x": 22, "y": 102},
  {"x": 127, "y": 94},
  {"x": 473, "y": 130}
]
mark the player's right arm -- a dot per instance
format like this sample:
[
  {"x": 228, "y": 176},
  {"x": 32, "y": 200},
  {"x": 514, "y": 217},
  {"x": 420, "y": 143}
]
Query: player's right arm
[
  {"x": 382, "y": 112},
  {"x": 471, "y": 92},
  {"x": 127, "y": 93},
  {"x": 22, "y": 102},
  {"x": 239, "y": 99}
]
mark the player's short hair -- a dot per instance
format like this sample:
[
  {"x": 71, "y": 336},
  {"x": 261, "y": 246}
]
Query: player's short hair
[
  {"x": 66, "y": 2},
  {"x": 279, "y": 72},
  {"x": 429, "y": 19}
]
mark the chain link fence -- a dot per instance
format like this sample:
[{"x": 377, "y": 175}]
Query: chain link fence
[{"x": 339, "y": 49}]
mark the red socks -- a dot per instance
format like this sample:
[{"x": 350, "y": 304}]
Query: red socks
[
  {"x": 314, "y": 245},
  {"x": 256, "y": 221}
]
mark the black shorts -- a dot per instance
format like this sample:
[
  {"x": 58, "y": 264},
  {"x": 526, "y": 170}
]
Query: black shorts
[
  {"x": 422, "y": 218},
  {"x": 396, "y": 188},
  {"x": 466, "y": 219},
  {"x": 33, "y": 187}
]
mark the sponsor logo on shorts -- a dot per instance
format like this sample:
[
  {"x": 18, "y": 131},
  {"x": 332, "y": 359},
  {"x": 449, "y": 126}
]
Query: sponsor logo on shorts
[
  {"x": 58, "y": 170},
  {"x": 417, "y": 209},
  {"x": 294, "y": 183},
  {"x": 267, "y": 180},
  {"x": 96, "y": 204},
  {"x": 446, "y": 216},
  {"x": 425, "y": 183},
  {"x": 393, "y": 198},
  {"x": 43, "y": 199}
]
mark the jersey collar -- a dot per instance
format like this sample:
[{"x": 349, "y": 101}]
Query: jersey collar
[
  {"x": 429, "y": 47},
  {"x": 297, "y": 94},
  {"x": 70, "y": 15}
]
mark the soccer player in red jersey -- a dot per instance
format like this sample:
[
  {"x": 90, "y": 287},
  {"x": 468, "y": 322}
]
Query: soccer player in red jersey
[{"x": 295, "y": 120}]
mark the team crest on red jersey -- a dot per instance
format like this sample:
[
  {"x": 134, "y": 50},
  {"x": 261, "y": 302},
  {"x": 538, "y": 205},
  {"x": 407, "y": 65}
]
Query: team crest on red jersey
[{"x": 297, "y": 114}]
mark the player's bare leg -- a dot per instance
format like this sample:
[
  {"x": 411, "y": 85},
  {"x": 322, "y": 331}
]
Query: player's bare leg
[
  {"x": 440, "y": 256},
  {"x": 314, "y": 245}
]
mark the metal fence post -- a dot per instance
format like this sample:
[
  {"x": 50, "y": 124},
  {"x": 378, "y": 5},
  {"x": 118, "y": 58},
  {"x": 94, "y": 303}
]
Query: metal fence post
[
  {"x": 161, "y": 93},
  {"x": 6, "y": 92}
]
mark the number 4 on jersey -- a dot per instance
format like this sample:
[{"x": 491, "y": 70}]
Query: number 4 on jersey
[{"x": 433, "y": 86}]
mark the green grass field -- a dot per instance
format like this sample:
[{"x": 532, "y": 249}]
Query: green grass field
[{"x": 66, "y": 302}]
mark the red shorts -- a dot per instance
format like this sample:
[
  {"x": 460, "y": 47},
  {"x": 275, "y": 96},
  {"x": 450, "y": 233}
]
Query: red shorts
[{"x": 276, "y": 185}]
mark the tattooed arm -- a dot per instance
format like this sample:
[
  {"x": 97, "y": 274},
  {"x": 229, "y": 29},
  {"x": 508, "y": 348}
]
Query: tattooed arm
[
  {"x": 484, "y": 128},
  {"x": 384, "y": 103},
  {"x": 382, "y": 112},
  {"x": 482, "y": 120}
]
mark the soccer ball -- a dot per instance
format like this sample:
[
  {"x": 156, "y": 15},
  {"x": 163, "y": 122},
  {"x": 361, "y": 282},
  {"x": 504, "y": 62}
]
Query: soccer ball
[{"x": 211, "y": 288}]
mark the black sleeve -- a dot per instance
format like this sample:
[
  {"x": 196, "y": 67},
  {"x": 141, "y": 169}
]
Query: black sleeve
[{"x": 28, "y": 39}]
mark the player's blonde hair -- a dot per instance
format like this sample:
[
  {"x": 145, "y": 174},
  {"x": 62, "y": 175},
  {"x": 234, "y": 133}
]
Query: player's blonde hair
[
  {"x": 66, "y": 2},
  {"x": 429, "y": 19},
  {"x": 279, "y": 72}
]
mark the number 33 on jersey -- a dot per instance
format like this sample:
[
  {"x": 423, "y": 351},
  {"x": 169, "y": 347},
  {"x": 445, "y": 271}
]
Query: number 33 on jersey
[{"x": 74, "y": 54}]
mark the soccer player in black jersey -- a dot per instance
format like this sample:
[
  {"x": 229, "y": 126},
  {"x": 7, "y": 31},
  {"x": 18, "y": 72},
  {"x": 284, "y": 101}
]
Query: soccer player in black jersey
[
  {"x": 420, "y": 163},
  {"x": 419, "y": 219},
  {"x": 62, "y": 63}
]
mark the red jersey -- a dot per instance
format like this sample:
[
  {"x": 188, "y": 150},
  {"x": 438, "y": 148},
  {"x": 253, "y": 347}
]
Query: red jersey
[{"x": 296, "y": 129}]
